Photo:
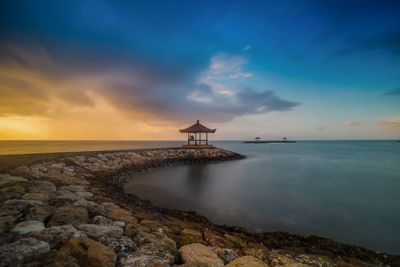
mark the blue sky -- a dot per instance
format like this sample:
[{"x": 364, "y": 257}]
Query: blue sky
[{"x": 302, "y": 69}]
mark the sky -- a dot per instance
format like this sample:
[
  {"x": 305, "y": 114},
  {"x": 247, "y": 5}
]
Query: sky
[{"x": 141, "y": 70}]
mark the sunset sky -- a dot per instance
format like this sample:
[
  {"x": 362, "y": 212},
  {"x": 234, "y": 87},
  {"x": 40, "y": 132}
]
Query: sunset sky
[{"x": 142, "y": 70}]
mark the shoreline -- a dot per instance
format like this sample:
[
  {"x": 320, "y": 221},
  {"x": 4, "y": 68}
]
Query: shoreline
[{"x": 101, "y": 174}]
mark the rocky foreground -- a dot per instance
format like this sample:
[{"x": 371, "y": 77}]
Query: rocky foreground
[{"x": 69, "y": 210}]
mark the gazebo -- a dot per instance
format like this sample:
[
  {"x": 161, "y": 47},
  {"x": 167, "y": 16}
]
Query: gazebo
[{"x": 194, "y": 135}]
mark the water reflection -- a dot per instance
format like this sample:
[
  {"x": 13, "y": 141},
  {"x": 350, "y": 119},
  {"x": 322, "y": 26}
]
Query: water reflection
[{"x": 196, "y": 179}]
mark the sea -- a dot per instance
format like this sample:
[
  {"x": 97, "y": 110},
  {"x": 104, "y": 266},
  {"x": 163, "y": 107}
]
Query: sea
[{"x": 345, "y": 190}]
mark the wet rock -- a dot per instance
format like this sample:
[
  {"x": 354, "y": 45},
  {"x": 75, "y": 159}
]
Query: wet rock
[
  {"x": 6, "y": 179},
  {"x": 42, "y": 187},
  {"x": 247, "y": 261},
  {"x": 199, "y": 255},
  {"x": 56, "y": 236},
  {"x": 121, "y": 246},
  {"x": 189, "y": 236},
  {"x": 73, "y": 215},
  {"x": 98, "y": 231},
  {"x": 114, "y": 212},
  {"x": 86, "y": 252},
  {"x": 13, "y": 254},
  {"x": 39, "y": 213},
  {"x": 26, "y": 228}
]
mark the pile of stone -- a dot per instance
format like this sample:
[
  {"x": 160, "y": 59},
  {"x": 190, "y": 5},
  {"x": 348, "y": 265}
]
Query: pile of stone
[{"x": 51, "y": 214}]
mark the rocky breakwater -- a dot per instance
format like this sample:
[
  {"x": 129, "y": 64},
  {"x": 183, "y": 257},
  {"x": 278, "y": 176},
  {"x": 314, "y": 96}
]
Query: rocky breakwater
[{"x": 64, "y": 211}]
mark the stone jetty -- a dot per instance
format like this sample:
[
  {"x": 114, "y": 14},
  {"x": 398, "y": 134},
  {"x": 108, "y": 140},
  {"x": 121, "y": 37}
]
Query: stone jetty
[{"x": 69, "y": 210}]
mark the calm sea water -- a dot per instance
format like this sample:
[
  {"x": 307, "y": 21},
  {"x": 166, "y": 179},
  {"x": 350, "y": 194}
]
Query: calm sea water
[{"x": 345, "y": 190}]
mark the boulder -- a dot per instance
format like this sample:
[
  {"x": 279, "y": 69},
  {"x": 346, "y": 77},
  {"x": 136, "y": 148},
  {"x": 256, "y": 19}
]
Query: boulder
[
  {"x": 215, "y": 240},
  {"x": 236, "y": 240},
  {"x": 279, "y": 260},
  {"x": 189, "y": 236},
  {"x": 247, "y": 261},
  {"x": 73, "y": 215},
  {"x": 57, "y": 235},
  {"x": 152, "y": 225},
  {"x": 101, "y": 220},
  {"x": 26, "y": 228},
  {"x": 38, "y": 196},
  {"x": 98, "y": 231},
  {"x": 199, "y": 255},
  {"x": 13, "y": 254},
  {"x": 140, "y": 260},
  {"x": 86, "y": 252}
]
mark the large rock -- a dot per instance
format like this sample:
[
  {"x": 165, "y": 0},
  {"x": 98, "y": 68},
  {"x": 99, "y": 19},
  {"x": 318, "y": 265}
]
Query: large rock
[
  {"x": 57, "y": 235},
  {"x": 98, "y": 231},
  {"x": 236, "y": 240},
  {"x": 74, "y": 215},
  {"x": 226, "y": 254},
  {"x": 133, "y": 228},
  {"x": 199, "y": 255},
  {"x": 215, "y": 240},
  {"x": 13, "y": 254},
  {"x": 140, "y": 260},
  {"x": 26, "y": 228},
  {"x": 114, "y": 212},
  {"x": 247, "y": 261},
  {"x": 86, "y": 252},
  {"x": 38, "y": 196},
  {"x": 189, "y": 236}
]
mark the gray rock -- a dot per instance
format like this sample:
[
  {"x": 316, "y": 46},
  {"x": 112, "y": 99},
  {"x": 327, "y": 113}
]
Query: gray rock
[
  {"x": 57, "y": 166},
  {"x": 73, "y": 215},
  {"x": 23, "y": 202},
  {"x": 27, "y": 227},
  {"x": 39, "y": 213},
  {"x": 13, "y": 254},
  {"x": 101, "y": 220},
  {"x": 226, "y": 254},
  {"x": 57, "y": 235},
  {"x": 140, "y": 260},
  {"x": 72, "y": 188},
  {"x": 98, "y": 231}
]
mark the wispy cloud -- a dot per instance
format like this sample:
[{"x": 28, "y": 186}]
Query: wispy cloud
[
  {"x": 353, "y": 124},
  {"x": 391, "y": 124}
]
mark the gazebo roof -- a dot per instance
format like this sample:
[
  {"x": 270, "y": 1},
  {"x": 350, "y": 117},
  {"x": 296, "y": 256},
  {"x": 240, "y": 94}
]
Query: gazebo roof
[{"x": 197, "y": 128}]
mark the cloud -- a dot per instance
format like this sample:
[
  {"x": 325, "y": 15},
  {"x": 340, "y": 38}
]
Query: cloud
[
  {"x": 247, "y": 48},
  {"x": 353, "y": 124},
  {"x": 395, "y": 92},
  {"x": 391, "y": 124}
]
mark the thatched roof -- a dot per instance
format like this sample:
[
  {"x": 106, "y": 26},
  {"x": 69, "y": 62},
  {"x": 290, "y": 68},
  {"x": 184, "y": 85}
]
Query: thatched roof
[{"x": 197, "y": 128}]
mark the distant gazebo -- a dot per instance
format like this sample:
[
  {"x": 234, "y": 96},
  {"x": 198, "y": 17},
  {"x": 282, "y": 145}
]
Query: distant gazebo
[{"x": 194, "y": 135}]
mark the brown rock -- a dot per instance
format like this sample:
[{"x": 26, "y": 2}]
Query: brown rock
[
  {"x": 257, "y": 250},
  {"x": 152, "y": 225},
  {"x": 132, "y": 229},
  {"x": 74, "y": 215},
  {"x": 247, "y": 261},
  {"x": 189, "y": 236},
  {"x": 86, "y": 252},
  {"x": 236, "y": 240},
  {"x": 199, "y": 255},
  {"x": 215, "y": 240}
]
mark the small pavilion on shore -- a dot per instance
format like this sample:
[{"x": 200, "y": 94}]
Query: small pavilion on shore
[{"x": 194, "y": 136}]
